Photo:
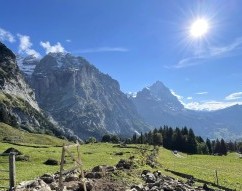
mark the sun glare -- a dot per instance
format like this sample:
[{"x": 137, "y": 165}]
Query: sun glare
[{"x": 199, "y": 28}]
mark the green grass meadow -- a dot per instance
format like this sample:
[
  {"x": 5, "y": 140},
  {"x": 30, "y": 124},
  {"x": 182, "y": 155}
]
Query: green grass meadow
[{"x": 41, "y": 147}]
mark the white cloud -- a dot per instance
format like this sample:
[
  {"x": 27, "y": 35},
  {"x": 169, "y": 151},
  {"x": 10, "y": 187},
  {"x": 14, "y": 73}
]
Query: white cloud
[
  {"x": 234, "y": 96},
  {"x": 25, "y": 46},
  {"x": 68, "y": 40},
  {"x": 209, "y": 105},
  {"x": 54, "y": 48},
  {"x": 103, "y": 49},
  {"x": 206, "y": 105},
  {"x": 6, "y": 36},
  {"x": 201, "y": 93},
  {"x": 230, "y": 49}
]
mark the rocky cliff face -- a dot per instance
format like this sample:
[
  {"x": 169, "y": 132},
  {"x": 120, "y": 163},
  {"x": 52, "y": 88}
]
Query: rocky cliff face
[
  {"x": 155, "y": 103},
  {"x": 82, "y": 98},
  {"x": 18, "y": 107},
  {"x": 27, "y": 65}
]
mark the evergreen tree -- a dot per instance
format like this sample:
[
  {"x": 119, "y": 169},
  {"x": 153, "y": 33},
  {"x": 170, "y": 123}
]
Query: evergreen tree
[
  {"x": 177, "y": 140},
  {"x": 114, "y": 139},
  {"x": 217, "y": 147},
  {"x": 223, "y": 148},
  {"x": 157, "y": 139},
  {"x": 202, "y": 148},
  {"x": 106, "y": 138},
  {"x": 213, "y": 146},
  {"x": 209, "y": 146},
  {"x": 231, "y": 146},
  {"x": 134, "y": 139},
  {"x": 141, "y": 138},
  {"x": 191, "y": 140},
  {"x": 150, "y": 138},
  {"x": 184, "y": 131}
]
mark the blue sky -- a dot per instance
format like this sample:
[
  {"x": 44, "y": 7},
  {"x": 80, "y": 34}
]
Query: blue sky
[{"x": 138, "y": 42}]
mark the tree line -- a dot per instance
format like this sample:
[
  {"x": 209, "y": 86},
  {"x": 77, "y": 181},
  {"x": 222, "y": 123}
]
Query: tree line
[{"x": 183, "y": 140}]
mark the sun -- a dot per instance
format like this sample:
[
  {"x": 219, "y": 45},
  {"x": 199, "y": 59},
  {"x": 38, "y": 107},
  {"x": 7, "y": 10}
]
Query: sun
[{"x": 199, "y": 28}]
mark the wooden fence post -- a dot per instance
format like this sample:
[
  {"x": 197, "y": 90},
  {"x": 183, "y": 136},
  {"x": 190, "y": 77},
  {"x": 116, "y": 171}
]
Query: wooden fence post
[
  {"x": 216, "y": 175},
  {"x": 12, "y": 171},
  {"x": 62, "y": 167}
]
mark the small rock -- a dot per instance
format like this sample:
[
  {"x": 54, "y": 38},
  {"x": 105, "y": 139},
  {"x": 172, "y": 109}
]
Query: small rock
[
  {"x": 47, "y": 178},
  {"x": 72, "y": 177},
  {"x": 124, "y": 164},
  {"x": 51, "y": 162},
  {"x": 137, "y": 187},
  {"x": 54, "y": 186},
  {"x": 88, "y": 184},
  {"x": 22, "y": 158},
  {"x": 150, "y": 178},
  {"x": 89, "y": 175},
  {"x": 100, "y": 168}
]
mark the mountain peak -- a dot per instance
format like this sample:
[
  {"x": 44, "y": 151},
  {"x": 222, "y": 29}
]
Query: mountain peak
[
  {"x": 57, "y": 54},
  {"x": 5, "y": 53},
  {"x": 158, "y": 84},
  {"x": 157, "y": 97}
]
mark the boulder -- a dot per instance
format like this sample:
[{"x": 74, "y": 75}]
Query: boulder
[
  {"x": 22, "y": 158},
  {"x": 124, "y": 164},
  {"x": 47, "y": 178},
  {"x": 72, "y": 177},
  {"x": 51, "y": 162}
]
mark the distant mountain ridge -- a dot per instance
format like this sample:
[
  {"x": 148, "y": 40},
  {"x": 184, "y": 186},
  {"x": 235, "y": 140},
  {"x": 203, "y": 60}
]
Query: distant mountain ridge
[
  {"x": 82, "y": 98},
  {"x": 90, "y": 103},
  {"x": 158, "y": 107}
]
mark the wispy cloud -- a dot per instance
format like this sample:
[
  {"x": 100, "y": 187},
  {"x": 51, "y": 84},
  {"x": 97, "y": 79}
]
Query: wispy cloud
[
  {"x": 230, "y": 49},
  {"x": 209, "y": 105},
  {"x": 234, "y": 96},
  {"x": 68, "y": 40},
  {"x": 6, "y": 36},
  {"x": 201, "y": 93},
  {"x": 188, "y": 62},
  {"x": 25, "y": 46},
  {"x": 103, "y": 49},
  {"x": 223, "y": 50},
  {"x": 52, "y": 48}
]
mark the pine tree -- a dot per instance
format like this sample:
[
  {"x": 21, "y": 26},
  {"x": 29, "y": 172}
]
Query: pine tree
[
  {"x": 217, "y": 147},
  {"x": 141, "y": 138},
  {"x": 157, "y": 139},
  {"x": 134, "y": 139},
  {"x": 191, "y": 140},
  {"x": 209, "y": 146},
  {"x": 223, "y": 148}
]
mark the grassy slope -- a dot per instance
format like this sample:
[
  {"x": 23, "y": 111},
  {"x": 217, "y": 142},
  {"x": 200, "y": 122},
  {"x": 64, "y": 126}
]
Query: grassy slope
[
  {"x": 23, "y": 137},
  {"x": 202, "y": 167}
]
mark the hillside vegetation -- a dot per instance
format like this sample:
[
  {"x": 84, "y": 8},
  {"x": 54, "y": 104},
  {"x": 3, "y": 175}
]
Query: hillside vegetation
[{"x": 13, "y": 135}]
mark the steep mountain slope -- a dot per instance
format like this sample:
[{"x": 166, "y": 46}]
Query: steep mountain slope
[
  {"x": 83, "y": 99},
  {"x": 18, "y": 107},
  {"x": 27, "y": 64},
  {"x": 155, "y": 102},
  {"x": 159, "y": 107}
]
